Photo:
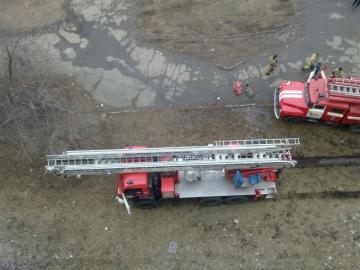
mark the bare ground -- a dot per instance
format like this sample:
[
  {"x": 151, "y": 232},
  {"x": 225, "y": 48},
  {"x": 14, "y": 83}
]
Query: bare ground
[
  {"x": 225, "y": 32},
  {"x": 27, "y": 15},
  {"x": 55, "y": 223}
]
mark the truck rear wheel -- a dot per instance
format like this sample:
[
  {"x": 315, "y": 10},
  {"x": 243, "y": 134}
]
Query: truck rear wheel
[
  {"x": 292, "y": 119},
  {"x": 211, "y": 201},
  {"x": 355, "y": 128},
  {"x": 236, "y": 199},
  {"x": 146, "y": 204}
]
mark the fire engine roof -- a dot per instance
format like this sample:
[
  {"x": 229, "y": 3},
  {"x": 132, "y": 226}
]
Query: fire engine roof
[{"x": 318, "y": 91}]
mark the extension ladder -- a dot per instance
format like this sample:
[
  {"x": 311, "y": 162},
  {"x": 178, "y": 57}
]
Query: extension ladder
[{"x": 235, "y": 154}]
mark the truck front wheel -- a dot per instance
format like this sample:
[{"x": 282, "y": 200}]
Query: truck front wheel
[
  {"x": 355, "y": 128},
  {"x": 292, "y": 119}
]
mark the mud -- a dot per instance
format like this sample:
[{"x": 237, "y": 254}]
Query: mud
[
  {"x": 224, "y": 32},
  {"x": 328, "y": 161},
  {"x": 319, "y": 180}
]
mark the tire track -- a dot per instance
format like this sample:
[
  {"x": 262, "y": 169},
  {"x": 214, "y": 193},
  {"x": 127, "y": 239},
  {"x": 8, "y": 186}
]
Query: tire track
[
  {"x": 313, "y": 162},
  {"x": 320, "y": 195}
]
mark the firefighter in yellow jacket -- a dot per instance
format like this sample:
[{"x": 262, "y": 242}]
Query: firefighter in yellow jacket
[
  {"x": 272, "y": 64},
  {"x": 311, "y": 62},
  {"x": 337, "y": 73}
]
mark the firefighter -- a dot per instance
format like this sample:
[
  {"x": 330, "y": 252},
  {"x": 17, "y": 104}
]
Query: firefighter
[
  {"x": 272, "y": 64},
  {"x": 337, "y": 73},
  {"x": 311, "y": 62}
]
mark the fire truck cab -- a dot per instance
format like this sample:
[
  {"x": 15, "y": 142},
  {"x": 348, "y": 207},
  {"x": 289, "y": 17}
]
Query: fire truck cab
[{"x": 320, "y": 99}]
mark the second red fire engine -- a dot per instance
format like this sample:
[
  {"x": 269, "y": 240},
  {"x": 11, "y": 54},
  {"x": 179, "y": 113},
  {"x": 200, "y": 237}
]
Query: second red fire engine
[{"x": 320, "y": 99}]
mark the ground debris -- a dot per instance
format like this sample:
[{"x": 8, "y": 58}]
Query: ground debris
[{"x": 173, "y": 247}]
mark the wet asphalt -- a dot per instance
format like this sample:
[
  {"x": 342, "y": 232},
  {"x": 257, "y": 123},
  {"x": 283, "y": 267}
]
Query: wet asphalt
[{"x": 106, "y": 59}]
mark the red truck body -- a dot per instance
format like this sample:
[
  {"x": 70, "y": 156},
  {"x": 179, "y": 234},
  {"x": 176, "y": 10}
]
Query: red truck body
[{"x": 330, "y": 100}]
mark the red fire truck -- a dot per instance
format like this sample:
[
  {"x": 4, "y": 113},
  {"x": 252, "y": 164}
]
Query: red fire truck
[
  {"x": 320, "y": 99},
  {"x": 225, "y": 171}
]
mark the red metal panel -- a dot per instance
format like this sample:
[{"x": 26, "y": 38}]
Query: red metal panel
[
  {"x": 353, "y": 116},
  {"x": 136, "y": 181},
  {"x": 344, "y": 99},
  {"x": 335, "y": 112},
  {"x": 292, "y": 99},
  {"x": 168, "y": 186}
]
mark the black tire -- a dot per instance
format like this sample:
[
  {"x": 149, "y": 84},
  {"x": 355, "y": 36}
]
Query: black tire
[
  {"x": 292, "y": 119},
  {"x": 236, "y": 200},
  {"x": 211, "y": 201},
  {"x": 145, "y": 203},
  {"x": 355, "y": 128}
]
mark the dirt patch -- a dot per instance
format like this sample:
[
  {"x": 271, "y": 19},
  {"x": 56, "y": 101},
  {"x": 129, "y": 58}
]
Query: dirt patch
[
  {"x": 311, "y": 180},
  {"x": 69, "y": 223},
  {"x": 25, "y": 15},
  {"x": 200, "y": 126},
  {"x": 223, "y": 31},
  {"x": 57, "y": 223}
]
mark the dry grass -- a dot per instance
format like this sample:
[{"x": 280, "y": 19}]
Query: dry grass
[
  {"x": 25, "y": 15},
  {"x": 224, "y": 31}
]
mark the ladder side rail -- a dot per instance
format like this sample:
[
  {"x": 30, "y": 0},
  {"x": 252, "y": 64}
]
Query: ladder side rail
[
  {"x": 152, "y": 149},
  {"x": 261, "y": 158},
  {"x": 204, "y": 152},
  {"x": 357, "y": 84},
  {"x": 344, "y": 81},
  {"x": 165, "y": 150},
  {"x": 106, "y": 170},
  {"x": 59, "y": 160}
]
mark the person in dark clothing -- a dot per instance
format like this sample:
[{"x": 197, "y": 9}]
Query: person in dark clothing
[{"x": 356, "y": 3}]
